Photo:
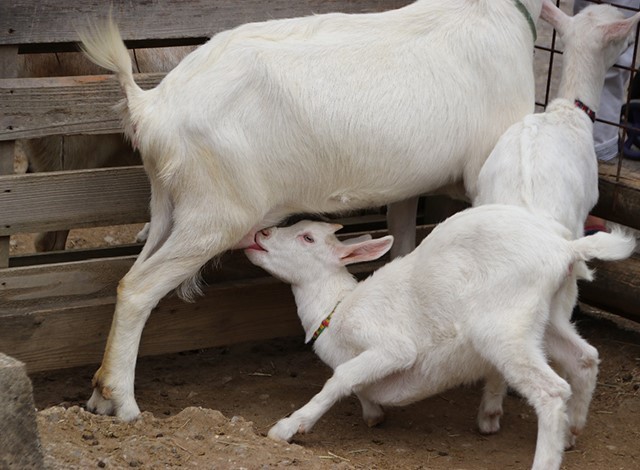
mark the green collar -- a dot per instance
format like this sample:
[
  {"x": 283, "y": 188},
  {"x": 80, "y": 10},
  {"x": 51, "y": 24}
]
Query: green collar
[
  {"x": 324, "y": 324},
  {"x": 527, "y": 17}
]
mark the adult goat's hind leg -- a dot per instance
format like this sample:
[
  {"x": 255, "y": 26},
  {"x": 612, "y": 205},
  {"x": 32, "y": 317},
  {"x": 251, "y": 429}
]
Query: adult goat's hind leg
[{"x": 139, "y": 291}]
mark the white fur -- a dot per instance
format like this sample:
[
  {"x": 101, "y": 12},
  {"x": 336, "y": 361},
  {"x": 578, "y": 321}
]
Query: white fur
[
  {"x": 476, "y": 300},
  {"x": 318, "y": 114},
  {"x": 547, "y": 163}
]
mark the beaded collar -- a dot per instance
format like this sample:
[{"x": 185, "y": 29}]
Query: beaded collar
[
  {"x": 590, "y": 112},
  {"x": 324, "y": 324},
  {"x": 519, "y": 5}
]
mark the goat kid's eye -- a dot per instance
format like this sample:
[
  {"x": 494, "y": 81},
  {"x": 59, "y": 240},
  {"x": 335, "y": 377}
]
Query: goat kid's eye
[{"x": 308, "y": 238}]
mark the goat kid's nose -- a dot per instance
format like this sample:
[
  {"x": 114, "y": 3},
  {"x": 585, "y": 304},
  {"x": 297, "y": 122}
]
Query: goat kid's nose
[{"x": 266, "y": 233}]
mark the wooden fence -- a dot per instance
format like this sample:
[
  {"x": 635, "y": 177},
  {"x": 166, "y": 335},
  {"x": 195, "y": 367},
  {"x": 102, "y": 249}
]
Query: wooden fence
[{"x": 56, "y": 308}]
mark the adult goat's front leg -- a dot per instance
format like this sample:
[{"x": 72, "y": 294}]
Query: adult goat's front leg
[{"x": 401, "y": 221}]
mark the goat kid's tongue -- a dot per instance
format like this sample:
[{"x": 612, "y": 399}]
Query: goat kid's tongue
[
  {"x": 252, "y": 244},
  {"x": 249, "y": 241}
]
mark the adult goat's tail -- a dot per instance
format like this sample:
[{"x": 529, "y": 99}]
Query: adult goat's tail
[
  {"x": 104, "y": 46},
  {"x": 605, "y": 246}
]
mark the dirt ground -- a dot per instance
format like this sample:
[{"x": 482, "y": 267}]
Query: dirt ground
[{"x": 212, "y": 409}]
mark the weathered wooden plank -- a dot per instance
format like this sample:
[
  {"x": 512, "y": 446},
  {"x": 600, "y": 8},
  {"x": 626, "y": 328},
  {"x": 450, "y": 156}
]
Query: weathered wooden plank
[
  {"x": 36, "y": 107},
  {"x": 616, "y": 288},
  {"x": 69, "y": 337},
  {"x": 87, "y": 282},
  {"x": 72, "y": 199},
  {"x": 83, "y": 283},
  {"x": 619, "y": 198},
  {"x": 26, "y": 260},
  {"x": 56, "y": 21}
]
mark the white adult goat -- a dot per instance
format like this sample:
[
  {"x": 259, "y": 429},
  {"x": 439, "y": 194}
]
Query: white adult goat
[
  {"x": 477, "y": 299},
  {"x": 318, "y": 114},
  {"x": 547, "y": 163}
]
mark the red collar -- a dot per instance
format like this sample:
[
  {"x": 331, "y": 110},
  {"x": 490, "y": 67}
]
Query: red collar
[{"x": 590, "y": 112}]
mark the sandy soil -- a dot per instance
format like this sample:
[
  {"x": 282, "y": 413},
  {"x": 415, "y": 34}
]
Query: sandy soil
[{"x": 253, "y": 385}]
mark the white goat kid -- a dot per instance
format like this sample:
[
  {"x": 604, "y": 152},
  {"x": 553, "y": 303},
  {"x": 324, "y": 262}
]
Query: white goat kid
[
  {"x": 475, "y": 300},
  {"x": 319, "y": 114},
  {"x": 547, "y": 163}
]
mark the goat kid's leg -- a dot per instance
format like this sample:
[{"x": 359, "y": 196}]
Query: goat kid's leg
[
  {"x": 346, "y": 378},
  {"x": 576, "y": 358},
  {"x": 401, "y": 220},
  {"x": 579, "y": 361},
  {"x": 527, "y": 371},
  {"x": 490, "y": 410},
  {"x": 139, "y": 291},
  {"x": 372, "y": 413}
]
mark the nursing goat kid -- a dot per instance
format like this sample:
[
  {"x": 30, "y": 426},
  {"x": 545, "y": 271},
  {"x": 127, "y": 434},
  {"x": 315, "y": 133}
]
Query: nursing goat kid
[
  {"x": 325, "y": 113},
  {"x": 477, "y": 299},
  {"x": 547, "y": 164}
]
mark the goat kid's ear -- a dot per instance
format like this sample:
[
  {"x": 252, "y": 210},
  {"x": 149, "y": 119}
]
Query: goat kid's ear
[
  {"x": 364, "y": 251},
  {"x": 354, "y": 240},
  {"x": 554, "y": 16},
  {"x": 622, "y": 29}
]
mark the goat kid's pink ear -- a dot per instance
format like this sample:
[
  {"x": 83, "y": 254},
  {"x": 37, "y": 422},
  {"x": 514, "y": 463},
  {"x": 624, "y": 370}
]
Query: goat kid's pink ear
[
  {"x": 354, "y": 240},
  {"x": 365, "y": 251},
  {"x": 622, "y": 29},
  {"x": 554, "y": 16}
]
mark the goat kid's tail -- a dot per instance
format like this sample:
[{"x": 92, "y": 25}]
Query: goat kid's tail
[
  {"x": 104, "y": 46},
  {"x": 605, "y": 246}
]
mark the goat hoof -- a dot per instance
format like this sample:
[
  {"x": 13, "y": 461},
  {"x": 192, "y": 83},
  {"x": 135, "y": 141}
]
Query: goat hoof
[
  {"x": 373, "y": 421},
  {"x": 572, "y": 436},
  {"x": 99, "y": 405},
  {"x": 489, "y": 423},
  {"x": 283, "y": 430}
]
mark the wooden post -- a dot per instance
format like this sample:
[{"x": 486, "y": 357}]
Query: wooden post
[{"x": 8, "y": 69}]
